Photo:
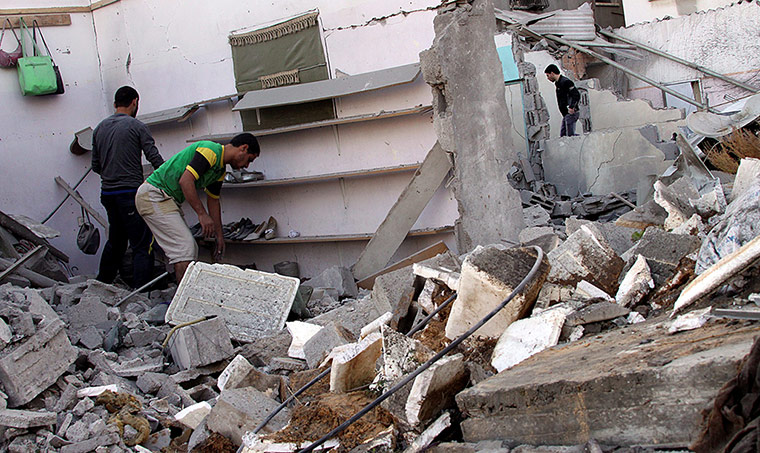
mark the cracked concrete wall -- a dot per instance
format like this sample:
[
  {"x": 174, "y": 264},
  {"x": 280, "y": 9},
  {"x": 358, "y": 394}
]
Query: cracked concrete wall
[
  {"x": 637, "y": 11},
  {"x": 725, "y": 40},
  {"x": 472, "y": 122},
  {"x": 601, "y": 162}
]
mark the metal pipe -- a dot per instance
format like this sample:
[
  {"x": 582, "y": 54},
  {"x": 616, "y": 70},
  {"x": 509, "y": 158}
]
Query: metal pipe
[
  {"x": 629, "y": 72},
  {"x": 434, "y": 359},
  {"x": 690, "y": 64},
  {"x": 67, "y": 196},
  {"x": 141, "y": 288}
]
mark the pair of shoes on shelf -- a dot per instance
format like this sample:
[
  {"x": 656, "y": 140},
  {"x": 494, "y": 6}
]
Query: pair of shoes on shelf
[
  {"x": 196, "y": 231},
  {"x": 242, "y": 229},
  {"x": 265, "y": 230},
  {"x": 238, "y": 176}
]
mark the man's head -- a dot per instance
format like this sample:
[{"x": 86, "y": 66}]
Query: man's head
[
  {"x": 552, "y": 72},
  {"x": 126, "y": 100},
  {"x": 242, "y": 150}
]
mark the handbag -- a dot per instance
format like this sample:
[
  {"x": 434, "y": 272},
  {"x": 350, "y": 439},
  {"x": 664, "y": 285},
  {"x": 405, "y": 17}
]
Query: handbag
[
  {"x": 88, "y": 238},
  {"x": 36, "y": 75},
  {"x": 58, "y": 79},
  {"x": 9, "y": 59}
]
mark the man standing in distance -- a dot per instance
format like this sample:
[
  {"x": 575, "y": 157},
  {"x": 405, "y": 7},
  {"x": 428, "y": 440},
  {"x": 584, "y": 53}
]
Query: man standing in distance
[
  {"x": 568, "y": 98},
  {"x": 201, "y": 165},
  {"x": 118, "y": 143}
]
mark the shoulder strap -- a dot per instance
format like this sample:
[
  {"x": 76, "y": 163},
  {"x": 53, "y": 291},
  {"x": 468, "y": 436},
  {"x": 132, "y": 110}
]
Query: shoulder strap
[
  {"x": 85, "y": 216},
  {"x": 35, "y": 29}
]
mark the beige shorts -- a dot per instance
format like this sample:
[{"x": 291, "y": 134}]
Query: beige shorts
[{"x": 167, "y": 222}]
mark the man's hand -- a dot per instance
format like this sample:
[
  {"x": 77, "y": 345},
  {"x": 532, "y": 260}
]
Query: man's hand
[
  {"x": 219, "y": 251},
  {"x": 570, "y": 110},
  {"x": 207, "y": 225}
]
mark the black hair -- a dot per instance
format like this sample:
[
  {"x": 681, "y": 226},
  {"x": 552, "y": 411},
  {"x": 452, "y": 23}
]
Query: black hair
[
  {"x": 246, "y": 139},
  {"x": 124, "y": 96},
  {"x": 552, "y": 68}
]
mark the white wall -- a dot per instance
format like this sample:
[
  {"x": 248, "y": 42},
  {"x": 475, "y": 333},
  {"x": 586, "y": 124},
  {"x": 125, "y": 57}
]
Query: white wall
[
  {"x": 175, "y": 53},
  {"x": 725, "y": 40},
  {"x": 637, "y": 11}
]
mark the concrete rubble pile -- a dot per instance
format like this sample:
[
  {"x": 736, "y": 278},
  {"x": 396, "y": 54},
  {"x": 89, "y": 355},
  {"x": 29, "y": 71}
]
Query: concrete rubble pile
[{"x": 80, "y": 373}]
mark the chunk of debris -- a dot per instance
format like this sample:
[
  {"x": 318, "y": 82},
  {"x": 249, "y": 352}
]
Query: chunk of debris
[
  {"x": 588, "y": 292},
  {"x": 192, "y": 416},
  {"x": 618, "y": 237},
  {"x": 585, "y": 255},
  {"x": 301, "y": 333},
  {"x": 376, "y": 325},
  {"x": 324, "y": 341},
  {"x": 448, "y": 277},
  {"x": 427, "y": 437},
  {"x": 337, "y": 277},
  {"x": 601, "y": 311},
  {"x": 489, "y": 275},
  {"x": 242, "y": 409},
  {"x": 644, "y": 216},
  {"x": 691, "y": 320},
  {"x": 434, "y": 389},
  {"x": 636, "y": 284},
  {"x": 24, "y": 419},
  {"x": 663, "y": 252},
  {"x": 353, "y": 365},
  {"x": 747, "y": 175},
  {"x": 536, "y": 216},
  {"x": 201, "y": 344},
  {"x": 675, "y": 200},
  {"x": 526, "y": 337},
  {"x": 251, "y": 303}
]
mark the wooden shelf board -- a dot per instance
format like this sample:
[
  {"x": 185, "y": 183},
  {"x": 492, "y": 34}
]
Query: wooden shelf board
[
  {"x": 335, "y": 237},
  {"x": 325, "y": 177},
  {"x": 333, "y": 122}
]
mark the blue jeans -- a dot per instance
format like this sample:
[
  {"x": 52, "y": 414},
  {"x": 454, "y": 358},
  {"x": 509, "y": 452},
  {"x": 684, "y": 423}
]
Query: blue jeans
[
  {"x": 125, "y": 226},
  {"x": 568, "y": 124}
]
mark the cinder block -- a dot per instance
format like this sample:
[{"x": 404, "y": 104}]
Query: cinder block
[
  {"x": 36, "y": 363},
  {"x": 434, "y": 389},
  {"x": 201, "y": 344},
  {"x": 322, "y": 342},
  {"x": 337, "y": 277},
  {"x": 240, "y": 410},
  {"x": 354, "y": 365}
]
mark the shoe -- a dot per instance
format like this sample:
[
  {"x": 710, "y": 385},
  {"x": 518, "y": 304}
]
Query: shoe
[
  {"x": 257, "y": 232},
  {"x": 271, "y": 225},
  {"x": 244, "y": 230}
]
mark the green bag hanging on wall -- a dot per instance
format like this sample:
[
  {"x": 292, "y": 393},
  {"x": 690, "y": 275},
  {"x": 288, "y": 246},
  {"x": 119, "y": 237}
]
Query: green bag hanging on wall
[{"x": 36, "y": 75}]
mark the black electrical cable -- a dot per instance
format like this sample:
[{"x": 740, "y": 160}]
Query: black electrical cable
[
  {"x": 435, "y": 358},
  {"x": 424, "y": 322}
]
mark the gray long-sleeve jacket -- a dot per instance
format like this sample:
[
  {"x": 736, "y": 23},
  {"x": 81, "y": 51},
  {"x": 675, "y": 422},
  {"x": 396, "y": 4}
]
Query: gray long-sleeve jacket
[{"x": 117, "y": 144}]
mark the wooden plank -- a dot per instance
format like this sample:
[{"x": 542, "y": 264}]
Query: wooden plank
[
  {"x": 392, "y": 231},
  {"x": 95, "y": 215},
  {"x": 36, "y": 279},
  {"x": 325, "y": 177},
  {"x": 47, "y": 20},
  {"x": 331, "y": 122},
  {"x": 40, "y": 249},
  {"x": 57, "y": 9},
  {"x": 25, "y": 233},
  {"x": 429, "y": 252}
]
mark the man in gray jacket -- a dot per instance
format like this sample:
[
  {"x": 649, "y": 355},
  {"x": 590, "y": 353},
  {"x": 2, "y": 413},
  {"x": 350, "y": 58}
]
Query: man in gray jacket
[{"x": 118, "y": 143}]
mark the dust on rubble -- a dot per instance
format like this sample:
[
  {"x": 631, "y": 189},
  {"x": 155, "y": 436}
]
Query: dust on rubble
[{"x": 312, "y": 421}]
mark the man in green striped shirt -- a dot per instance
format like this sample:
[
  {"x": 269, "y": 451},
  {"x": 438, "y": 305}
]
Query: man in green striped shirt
[{"x": 201, "y": 165}]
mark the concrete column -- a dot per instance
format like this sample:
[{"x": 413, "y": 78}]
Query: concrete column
[{"x": 472, "y": 122}]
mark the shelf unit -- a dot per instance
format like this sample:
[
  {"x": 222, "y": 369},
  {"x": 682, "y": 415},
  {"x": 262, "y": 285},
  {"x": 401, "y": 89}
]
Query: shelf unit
[
  {"x": 325, "y": 177},
  {"x": 333, "y": 237}
]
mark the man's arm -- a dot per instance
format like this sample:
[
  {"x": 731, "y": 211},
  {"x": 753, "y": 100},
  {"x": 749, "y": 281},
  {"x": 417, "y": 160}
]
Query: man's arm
[
  {"x": 215, "y": 210},
  {"x": 187, "y": 183},
  {"x": 95, "y": 157},
  {"x": 148, "y": 146},
  {"x": 573, "y": 96}
]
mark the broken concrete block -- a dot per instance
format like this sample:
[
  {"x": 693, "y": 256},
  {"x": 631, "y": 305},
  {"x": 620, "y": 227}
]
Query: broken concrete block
[
  {"x": 394, "y": 291},
  {"x": 636, "y": 284},
  {"x": 644, "y": 216},
  {"x": 585, "y": 255},
  {"x": 91, "y": 338},
  {"x": 376, "y": 325},
  {"x": 401, "y": 355},
  {"x": 354, "y": 364},
  {"x": 32, "y": 365},
  {"x": 251, "y": 303},
  {"x": 747, "y": 175},
  {"x": 434, "y": 389},
  {"x": 353, "y": 315},
  {"x": 675, "y": 200},
  {"x": 423, "y": 441},
  {"x": 321, "y": 343},
  {"x": 240, "y": 410},
  {"x": 427, "y": 295},
  {"x": 240, "y": 373},
  {"x": 547, "y": 242},
  {"x": 531, "y": 233},
  {"x": 234, "y": 373},
  {"x": 588, "y": 292},
  {"x": 138, "y": 366},
  {"x": 694, "y": 227},
  {"x": 601, "y": 311},
  {"x": 489, "y": 275},
  {"x": 97, "y": 391},
  {"x": 89, "y": 311},
  {"x": 26, "y": 419},
  {"x": 536, "y": 216},
  {"x": 337, "y": 277},
  {"x": 301, "y": 332},
  {"x": 618, "y": 237},
  {"x": 663, "y": 252},
  {"x": 552, "y": 294},
  {"x": 151, "y": 382},
  {"x": 712, "y": 200},
  {"x": 526, "y": 337},
  {"x": 192, "y": 416},
  {"x": 690, "y": 321},
  {"x": 144, "y": 337},
  {"x": 287, "y": 365},
  {"x": 201, "y": 344},
  {"x": 446, "y": 276}
]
